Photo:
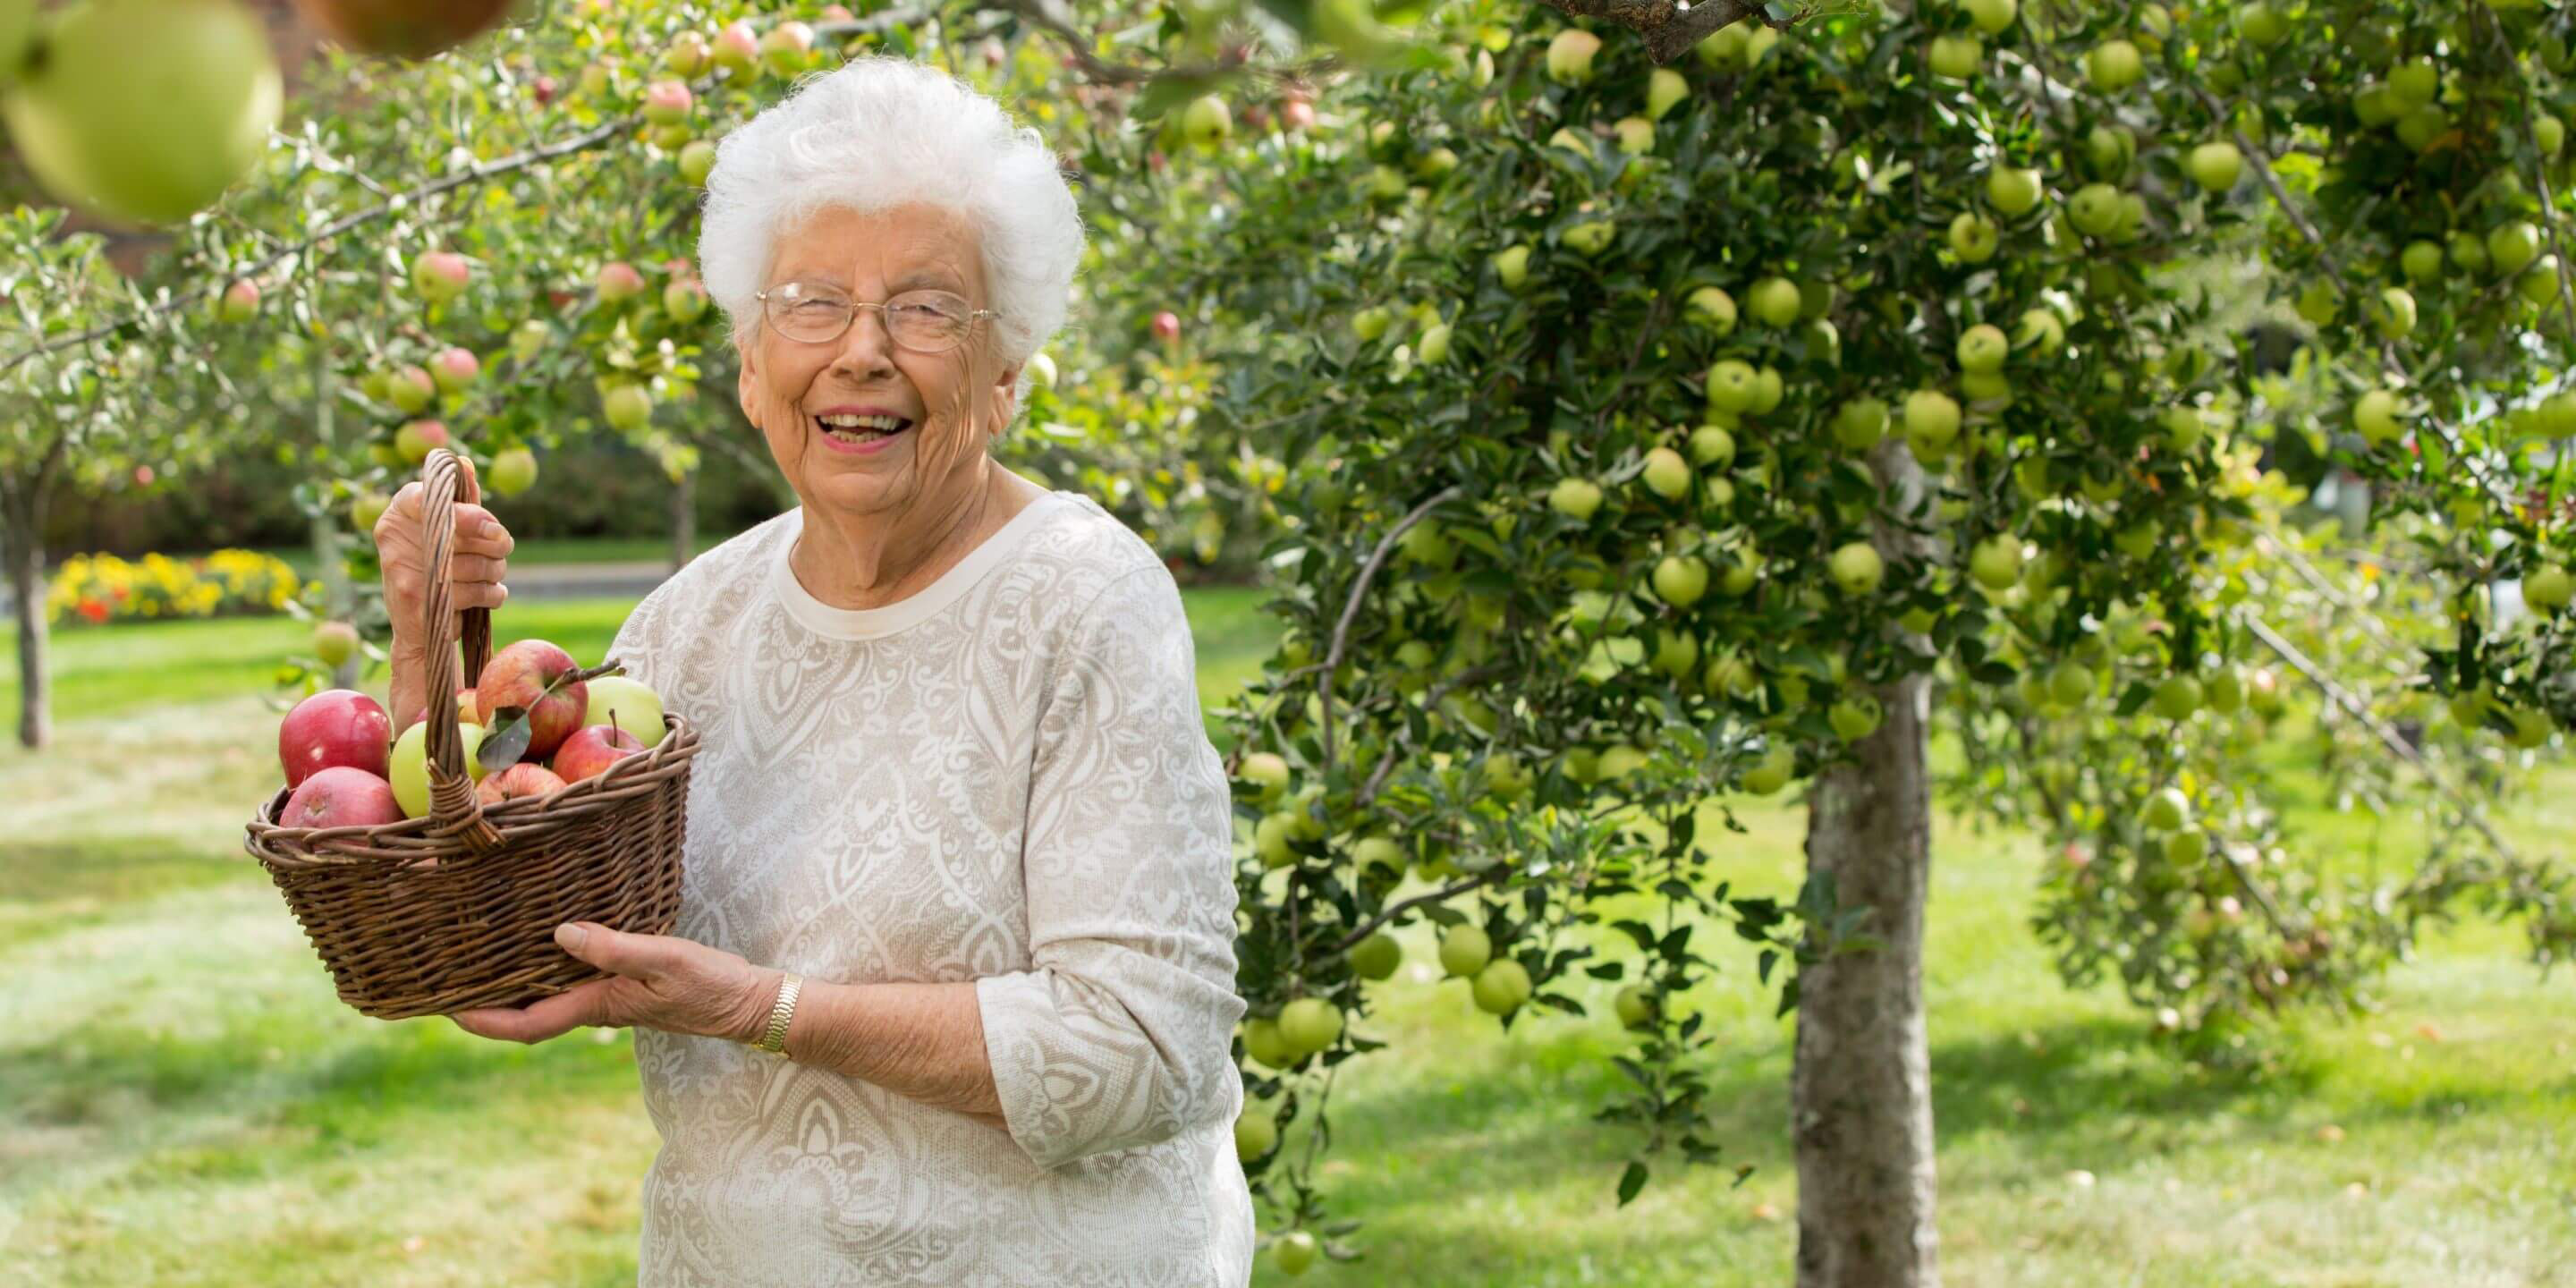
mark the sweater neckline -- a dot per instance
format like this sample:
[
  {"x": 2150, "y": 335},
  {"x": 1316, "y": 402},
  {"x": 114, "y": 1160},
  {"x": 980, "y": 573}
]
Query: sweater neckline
[{"x": 922, "y": 605}]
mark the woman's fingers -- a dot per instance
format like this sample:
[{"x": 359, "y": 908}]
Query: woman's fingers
[{"x": 469, "y": 569}]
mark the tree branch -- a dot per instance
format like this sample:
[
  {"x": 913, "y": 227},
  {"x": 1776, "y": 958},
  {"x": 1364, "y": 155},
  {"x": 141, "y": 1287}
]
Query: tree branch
[
  {"x": 1669, "y": 26},
  {"x": 1351, "y": 607},
  {"x": 1488, "y": 877},
  {"x": 2394, "y": 741}
]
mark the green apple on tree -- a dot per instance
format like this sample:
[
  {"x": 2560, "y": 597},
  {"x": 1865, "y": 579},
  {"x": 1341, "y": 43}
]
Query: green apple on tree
[
  {"x": 1667, "y": 475},
  {"x": 1575, "y": 498},
  {"x": 1680, "y": 580},
  {"x": 1501, "y": 987},
  {"x": 1712, "y": 308},
  {"x": 1464, "y": 950},
  {"x": 1982, "y": 349},
  {"x": 1973, "y": 237},
  {"x": 1955, "y": 56},
  {"x": 1376, "y": 957},
  {"x": 2167, "y": 811},
  {"x": 1256, "y": 1133},
  {"x": 2177, "y": 697},
  {"x": 1634, "y": 1005},
  {"x": 1569, "y": 56},
  {"x": 1778, "y": 765},
  {"x": 1857, "y": 568},
  {"x": 2012, "y": 190},
  {"x": 1206, "y": 122},
  {"x": 1665, "y": 88},
  {"x": 1712, "y": 445},
  {"x": 514, "y": 470},
  {"x": 1995, "y": 562},
  {"x": 1775, "y": 301},
  {"x": 1294, "y": 1253},
  {"x": 1310, "y": 1024},
  {"x": 1859, "y": 424},
  {"x": 2114, "y": 65},
  {"x": 2215, "y": 166},
  {"x": 1990, "y": 16}
]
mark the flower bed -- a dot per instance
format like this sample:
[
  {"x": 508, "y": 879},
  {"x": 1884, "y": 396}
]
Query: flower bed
[{"x": 100, "y": 588}]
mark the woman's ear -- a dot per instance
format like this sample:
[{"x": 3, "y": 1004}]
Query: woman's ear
[
  {"x": 746, "y": 382},
  {"x": 1006, "y": 398}
]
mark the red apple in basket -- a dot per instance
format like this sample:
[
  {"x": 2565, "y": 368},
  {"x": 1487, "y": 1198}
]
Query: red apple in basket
[
  {"x": 591, "y": 749},
  {"x": 335, "y": 727},
  {"x": 522, "y": 779},
  {"x": 339, "y": 796},
  {"x": 516, "y": 678}
]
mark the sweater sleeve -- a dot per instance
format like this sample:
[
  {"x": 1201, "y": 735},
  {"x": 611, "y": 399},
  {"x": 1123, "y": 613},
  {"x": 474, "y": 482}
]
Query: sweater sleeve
[{"x": 1121, "y": 1035}]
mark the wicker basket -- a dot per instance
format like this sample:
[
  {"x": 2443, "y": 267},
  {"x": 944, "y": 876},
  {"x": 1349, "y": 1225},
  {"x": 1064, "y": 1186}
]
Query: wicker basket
[{"x": 457, "y": 909}]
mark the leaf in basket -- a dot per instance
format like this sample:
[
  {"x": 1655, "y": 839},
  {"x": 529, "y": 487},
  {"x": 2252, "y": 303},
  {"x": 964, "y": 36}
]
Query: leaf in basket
[{"x": 506, "y": 740}]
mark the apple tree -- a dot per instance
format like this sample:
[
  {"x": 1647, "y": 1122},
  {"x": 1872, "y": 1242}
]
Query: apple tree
[{"x": 1664, "y": 430}]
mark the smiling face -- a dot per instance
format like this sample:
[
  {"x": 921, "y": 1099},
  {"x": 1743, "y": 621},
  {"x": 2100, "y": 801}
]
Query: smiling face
[{"x": 946, "y": 405}]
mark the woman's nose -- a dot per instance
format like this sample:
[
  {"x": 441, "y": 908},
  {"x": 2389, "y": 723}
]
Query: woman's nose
[{"x": 867, "y": 348}]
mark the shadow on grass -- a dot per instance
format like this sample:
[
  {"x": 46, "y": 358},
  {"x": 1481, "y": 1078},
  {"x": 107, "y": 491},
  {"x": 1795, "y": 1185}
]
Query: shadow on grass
[
  {"x": 361, "y": 1091},
  {"x": 114, "y": 869}
]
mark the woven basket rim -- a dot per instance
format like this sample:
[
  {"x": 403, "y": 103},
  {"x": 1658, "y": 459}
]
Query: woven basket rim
[{"x": 521, "y": 819}]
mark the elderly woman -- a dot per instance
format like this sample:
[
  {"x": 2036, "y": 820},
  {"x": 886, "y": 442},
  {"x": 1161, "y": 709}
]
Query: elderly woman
[{"x": 957, "y": 840}]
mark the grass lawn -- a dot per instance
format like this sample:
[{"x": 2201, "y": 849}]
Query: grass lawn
[{"x": 183, "y": 1102}]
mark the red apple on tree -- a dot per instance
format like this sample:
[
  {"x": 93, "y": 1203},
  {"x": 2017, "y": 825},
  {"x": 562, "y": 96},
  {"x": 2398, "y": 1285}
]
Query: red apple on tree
[
  {"x": 241, "y": 302},
  {"x": 667, "y": 102},
  {"x": 737, "y": 48},
  {"x": 440, "y": 275},
  {"x": 1167, "y": 326},
  {"x": 454, "y": 368},
  {"x": 336, "y": 727},
  {"x": 591, "y": 749},
  {"x": 411, "y": 390},
  {"x": 619, "y": 282},
  {"x": 516, "y": 680},
  {"x": 416, "y": 439},
  {"x": 341, "y": 796}
]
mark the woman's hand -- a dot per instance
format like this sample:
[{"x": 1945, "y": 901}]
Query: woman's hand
[
  {"x": 656, "y": 981},
  {"x": 474, "y": 569}
]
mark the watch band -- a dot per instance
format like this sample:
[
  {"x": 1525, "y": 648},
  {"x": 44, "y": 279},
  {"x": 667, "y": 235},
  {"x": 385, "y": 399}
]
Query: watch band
[{"x": 774, "y": 1039}]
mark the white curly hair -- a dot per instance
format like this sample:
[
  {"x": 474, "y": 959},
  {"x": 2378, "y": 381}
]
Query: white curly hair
[{"x": 880, "y": 132}]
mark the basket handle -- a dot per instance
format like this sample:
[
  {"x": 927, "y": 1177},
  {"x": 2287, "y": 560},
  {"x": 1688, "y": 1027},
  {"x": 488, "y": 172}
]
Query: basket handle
[{"x": 452, "y": 804}]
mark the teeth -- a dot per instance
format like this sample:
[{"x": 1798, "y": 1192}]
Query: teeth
[{"x": 862, "y": 422}]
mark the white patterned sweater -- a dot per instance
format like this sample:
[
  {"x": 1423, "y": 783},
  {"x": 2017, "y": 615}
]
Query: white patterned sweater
[{"x": 1002, "y": 779}]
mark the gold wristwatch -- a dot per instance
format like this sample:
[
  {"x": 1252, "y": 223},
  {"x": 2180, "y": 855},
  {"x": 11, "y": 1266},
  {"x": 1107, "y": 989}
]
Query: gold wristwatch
[{"x": 774, "y": 1038}]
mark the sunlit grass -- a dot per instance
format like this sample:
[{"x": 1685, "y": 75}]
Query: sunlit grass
[{"x": 183, "y": 1101}]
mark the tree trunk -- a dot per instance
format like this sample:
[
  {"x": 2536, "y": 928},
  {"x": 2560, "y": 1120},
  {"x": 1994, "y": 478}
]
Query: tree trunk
[
  {"x": 338, "y": 597},
  {"x": 26, "y": 555},
  {"x": 1860, "y": 1094},
  {"x": 684, "y": 520}
]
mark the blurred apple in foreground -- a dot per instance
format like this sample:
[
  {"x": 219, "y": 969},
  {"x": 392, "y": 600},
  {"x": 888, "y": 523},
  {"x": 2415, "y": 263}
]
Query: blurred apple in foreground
[
  {"x": 336, "y": 727},
  {"x": 341, "y": 797},
  {"x": 402, "y": 28},
  {"x": 144, "y": 111}
]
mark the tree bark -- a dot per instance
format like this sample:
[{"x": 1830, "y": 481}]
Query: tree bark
[
  {"x": 26, "y": 554},
  {"x": 684, "y": 520},
  {"x": 339, "y": 599},
  {"x": 1860, "y": 1091}
]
